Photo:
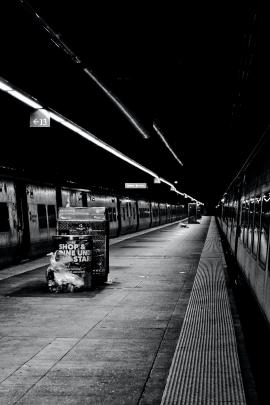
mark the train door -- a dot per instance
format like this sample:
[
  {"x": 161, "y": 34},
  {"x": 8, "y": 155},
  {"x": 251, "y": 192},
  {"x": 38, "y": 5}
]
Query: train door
[
  {"x": 137, "y": 215},
  {"x": 119, "y": 216},
  {"x": 129, "y": 214},
  {"x": 23, "y": 221},
  {"x": 84, "y": 199}
]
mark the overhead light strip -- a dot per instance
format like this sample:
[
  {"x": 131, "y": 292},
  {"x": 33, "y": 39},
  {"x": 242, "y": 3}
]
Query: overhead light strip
[
  {"x": 166, "y": 143},
  {"x": 121, "y": 107},
  {"x": 30, "y": 101},
  {"x": 92, "y": 138},
  {"x": 84, "y": 133},
  {"x": 25, "y": 99},
  {"x": 57, "y": 40}
]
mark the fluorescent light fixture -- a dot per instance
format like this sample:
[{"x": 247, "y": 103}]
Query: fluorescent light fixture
[
  {"x": 121, "y": 107},
  {"x": 24, "y": 99},
  {"x": 84, "y": 133},
  {"x": 92, "y": 138},
  {"x": 56, "y": 117},
  {"x": 19, "y": 95},
  {"x": 166, "y": 143},
  {"x": 4, "y": 87},
  {"x": 57, "y": 40}
]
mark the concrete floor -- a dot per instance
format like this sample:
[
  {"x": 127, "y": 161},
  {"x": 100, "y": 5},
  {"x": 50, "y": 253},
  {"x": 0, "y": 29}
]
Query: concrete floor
[{"x": 111, "y": 345}]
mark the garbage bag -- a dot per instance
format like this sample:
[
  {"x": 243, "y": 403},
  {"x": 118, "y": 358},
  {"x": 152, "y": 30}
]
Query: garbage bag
[{"x": 58, "y": 275}]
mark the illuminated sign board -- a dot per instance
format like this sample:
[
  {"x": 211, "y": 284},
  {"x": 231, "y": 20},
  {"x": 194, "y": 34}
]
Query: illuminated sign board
[
  {"x": 135, "y": 185},
  {"x": 40, "y": 118}
]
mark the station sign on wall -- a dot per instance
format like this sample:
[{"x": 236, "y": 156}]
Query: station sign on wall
[
  {"x": 135, "y": 185},
  {"x": 40, "y": 119}
]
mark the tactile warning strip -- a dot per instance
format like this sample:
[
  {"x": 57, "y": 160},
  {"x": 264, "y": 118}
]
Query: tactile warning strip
[{"x": 205, "y": 369}]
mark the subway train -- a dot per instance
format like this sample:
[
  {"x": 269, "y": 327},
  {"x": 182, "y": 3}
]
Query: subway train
[
  {"x": 28, "y": 214},
  {"x": 244, "y": 216}
]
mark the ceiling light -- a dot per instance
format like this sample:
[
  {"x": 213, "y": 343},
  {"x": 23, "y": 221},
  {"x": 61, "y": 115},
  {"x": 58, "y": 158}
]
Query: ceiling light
[
  {"x": 121, "y": 107},
  {"x": 4, "y": 87},
  {"x": 166, "y": 143},
  {"x": 24, "y": 99},
  {"x": 86, "y": 134},
  {"x": 56, "y": 117}
]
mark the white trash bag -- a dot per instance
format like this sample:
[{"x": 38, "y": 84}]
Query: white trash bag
[{"x": 58, "y": 275}]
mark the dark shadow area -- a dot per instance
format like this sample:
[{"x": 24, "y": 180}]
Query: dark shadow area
[{"x": 33, "y": 284}]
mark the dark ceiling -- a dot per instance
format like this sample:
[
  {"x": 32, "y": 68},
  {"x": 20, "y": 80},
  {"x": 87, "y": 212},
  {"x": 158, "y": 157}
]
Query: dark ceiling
[{"x": 201, "y": 73}]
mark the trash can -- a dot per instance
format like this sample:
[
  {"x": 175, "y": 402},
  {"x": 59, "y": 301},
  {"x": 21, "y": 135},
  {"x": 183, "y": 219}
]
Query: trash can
[
  {"x": 79, "y": 249},
  {"x": 91, "y": 221}
]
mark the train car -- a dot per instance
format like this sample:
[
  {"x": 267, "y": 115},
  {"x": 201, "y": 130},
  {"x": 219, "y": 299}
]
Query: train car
[
  {"x": 162, "y": 213},
  {"x": 10, "y": 224},
  {"x": 144, "y": 214},
  {"x": 73, "y": 197},
  {"x": 28, "y": 213},
  {"x": 128, "y": 215},
  {"x": 181, "y": 211},
  {"x": 154, "y": 213},
  {"x": 41, "y": 202},
  {"x": 244, "y": 216},
  {"x": 110, "y": 202},
  {"x": 169, "y": 213}
]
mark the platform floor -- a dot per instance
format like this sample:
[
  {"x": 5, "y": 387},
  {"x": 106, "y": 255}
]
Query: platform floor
[
  {"x": 205, "y": 369},
  {"x": 112, "y": 345}
]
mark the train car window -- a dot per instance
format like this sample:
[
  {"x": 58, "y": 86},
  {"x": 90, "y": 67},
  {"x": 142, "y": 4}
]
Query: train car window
[
  {"x": 110, "y": 214},
  {"x": 84, "y": 199},
  {"x": 4, "y": 218},
  {"x": 250, "y": 225},
  {"x": 114, "y": 214},
  {"x": 265, "y": 222},
  {"x": 247, "y": 223},
  {"x": 134, "y": 213},
  {"x": 52, "y": 216},
  {"x": 256, "y": 230},
  {"x": 124, "y": 213},
  {"x": 244, "y": 217},
  {"x": 235, "y": 211},
  {"x": 225, "y": 212},
  {"x": 42, "y": 217}
]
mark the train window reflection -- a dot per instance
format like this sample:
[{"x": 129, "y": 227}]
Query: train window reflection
[
  {"x": 250, "y": 224},
  {"x": 256, "y": 228},
  {"x": 42, "y": 217},
  {"x": 265, "y": 221},
  {"x": 244, "y": 220},
  {"x": 110, "y": 214},
  {"x": 4, "y": 218},
  {"x": 51, "y": 216}
]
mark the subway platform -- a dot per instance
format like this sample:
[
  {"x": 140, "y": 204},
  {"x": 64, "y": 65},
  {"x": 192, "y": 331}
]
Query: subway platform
[{"x": 159, "y": 332}]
